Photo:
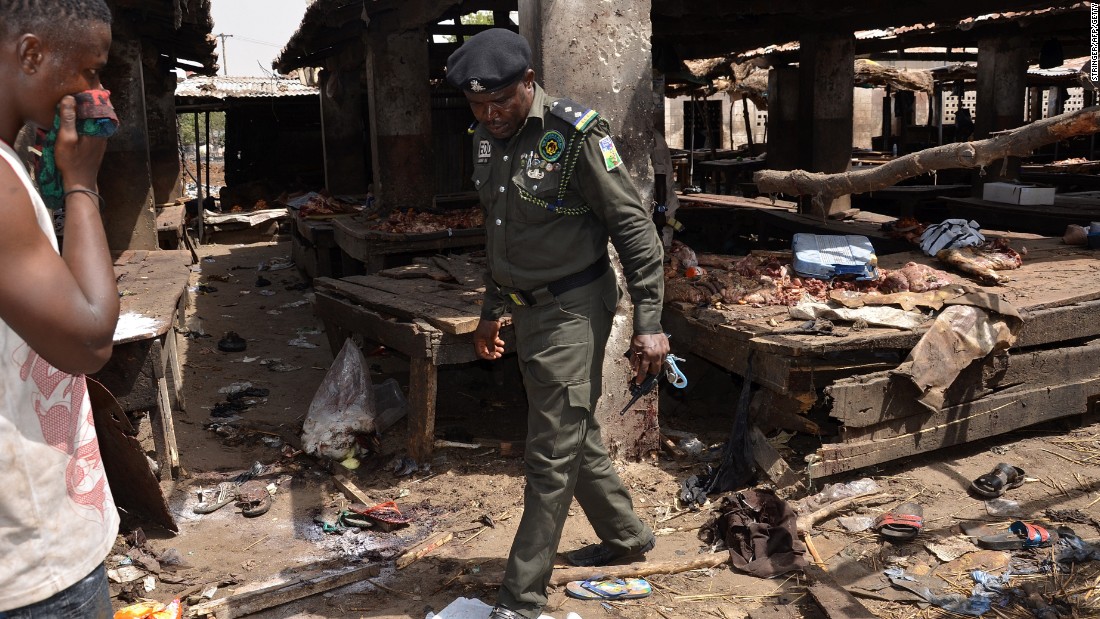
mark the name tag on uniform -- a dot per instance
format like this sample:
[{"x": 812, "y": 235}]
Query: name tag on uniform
[
  {"x": 484, "y": 151},
  {"x": 611, "y": 157}
]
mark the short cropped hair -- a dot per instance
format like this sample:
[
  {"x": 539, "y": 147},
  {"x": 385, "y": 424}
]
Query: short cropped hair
[{"x": 50, "y": 16}]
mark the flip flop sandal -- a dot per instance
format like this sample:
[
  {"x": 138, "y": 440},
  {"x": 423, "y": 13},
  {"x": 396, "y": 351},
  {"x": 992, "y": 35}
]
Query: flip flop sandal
[
  {"x": 231, "y": 342},
  {"x": 994, "y": 483},
  {"x": 1020, "y": 535},
  {"x": 354, "y": 519},
  {"x": 621, "y": 589},
  {"x": 902, "y": 523},
  {"x": 227, "y": 491}
]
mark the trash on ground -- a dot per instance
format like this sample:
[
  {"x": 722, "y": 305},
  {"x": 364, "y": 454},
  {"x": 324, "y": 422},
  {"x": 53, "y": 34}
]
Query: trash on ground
[
  {"x": 231, "y": 342},
  {"x": 856, "y": 524},
  {"x": 276, "y": 364},
  {"x": 151, "y": 610},
  {"x": 262, "y": 281},
  {"x": 301, "y": 342},
  {"x": 277, "y": 263},
  {"x": 835, "y": 492},
  {"x": 1003, "y": 507},
  {"x": 902, "y": 523},
  {"x": 343, "y": 408},
  {"x": 473, "y": 608},
  {"x": 267, "y": 293}
]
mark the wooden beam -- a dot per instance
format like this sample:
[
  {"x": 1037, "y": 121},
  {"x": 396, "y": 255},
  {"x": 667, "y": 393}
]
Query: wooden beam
[
  {"x": 1002, "y": 412},
  {"x": 423, "y": 386},
  {"x": 242, "y": 604}
]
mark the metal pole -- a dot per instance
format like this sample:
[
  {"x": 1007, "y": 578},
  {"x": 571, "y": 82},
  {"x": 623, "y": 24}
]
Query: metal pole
[
  {"x": 198, "y": 177},
  {"x": 208, "y": 153}
]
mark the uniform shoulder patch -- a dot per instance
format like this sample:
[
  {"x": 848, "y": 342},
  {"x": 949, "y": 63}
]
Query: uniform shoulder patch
[
  {"x": 574, "y": 113},
  {"x": 611, "y": 158}
]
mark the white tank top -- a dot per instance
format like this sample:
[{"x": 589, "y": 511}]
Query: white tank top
[{"x": 57, "y": 518}]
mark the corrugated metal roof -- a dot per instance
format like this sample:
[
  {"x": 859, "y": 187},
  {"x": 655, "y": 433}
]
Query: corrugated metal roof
[
  {"x": 242, "y": 88},
  {"x": 891, "y": 33}
]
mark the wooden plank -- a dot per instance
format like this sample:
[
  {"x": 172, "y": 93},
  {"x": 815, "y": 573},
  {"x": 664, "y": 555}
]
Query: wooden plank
[
  {"x": 350, "y": 489},
  {"x": 834, "y": 599},
  {"x": 1058, "y": 324},
  {"x": 136, "y": 489},
  {"x": 243, "y": 604},
  {"x": 871, "y": 401},
  {"x": 428, "y": 291},
  {"x": 406, "y": 338},
  {"x": 445, "y": 319},
  {"x": 421, "y": 550},
  {"x": 996, "y": 414},
  {"x": 467, "y": 272},
  {"x": 423, "y": 386},
  {"x": 417, "y": 271},
  {"x": 773, "y": 465}
]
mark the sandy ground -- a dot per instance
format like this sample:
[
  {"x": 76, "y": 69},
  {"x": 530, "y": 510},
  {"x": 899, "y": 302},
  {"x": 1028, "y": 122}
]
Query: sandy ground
[{"x": 462, "y": 486}]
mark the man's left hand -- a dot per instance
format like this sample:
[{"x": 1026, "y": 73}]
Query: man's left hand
[{"x": 647, "y": 355}]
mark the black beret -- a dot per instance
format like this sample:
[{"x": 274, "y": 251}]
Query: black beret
[{"x": 489, "y": 60}]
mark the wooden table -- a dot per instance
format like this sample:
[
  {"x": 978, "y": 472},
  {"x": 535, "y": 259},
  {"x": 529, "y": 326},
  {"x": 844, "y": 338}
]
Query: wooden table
[
  {"x": 170, "y": 220},
  {"x": 144, "y": 371},
  {"x": 428, "y": 321},
  {"x": 372, "y": 251},
  {"x": 313, "y": 247},
  {"x": 728, "y": 172},
  {"x": 1046, "y": 219},
  {"x": 907, "y": 200},
  {"x": 1053, "y": 370}
]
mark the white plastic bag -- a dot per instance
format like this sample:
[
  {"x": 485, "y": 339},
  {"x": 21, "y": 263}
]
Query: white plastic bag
[{"x": 342, "y": 408}]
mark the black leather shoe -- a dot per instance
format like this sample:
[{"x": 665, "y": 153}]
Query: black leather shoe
[
  {"x": 596, "y": 555},
  {"x": 500, "y": 612}
]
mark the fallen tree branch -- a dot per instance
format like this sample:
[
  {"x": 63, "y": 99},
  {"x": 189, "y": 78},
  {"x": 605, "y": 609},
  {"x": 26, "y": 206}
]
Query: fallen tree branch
[
  {"x": 1019, "y": 142},
  {"x": 806, "y": 522},
  {"x": 633, "y": 570}
]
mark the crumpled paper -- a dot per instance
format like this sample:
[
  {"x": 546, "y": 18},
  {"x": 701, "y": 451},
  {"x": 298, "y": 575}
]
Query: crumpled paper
[{"x": 882, "y": 316}]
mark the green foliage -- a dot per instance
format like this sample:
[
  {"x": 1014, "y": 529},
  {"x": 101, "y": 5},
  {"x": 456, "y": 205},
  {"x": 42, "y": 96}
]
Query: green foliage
[{"x": 186, "y": 124}]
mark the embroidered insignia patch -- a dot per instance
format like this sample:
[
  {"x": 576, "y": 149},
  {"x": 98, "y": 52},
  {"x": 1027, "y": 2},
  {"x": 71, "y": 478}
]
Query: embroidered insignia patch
[
  {"x": 551, "y": 145},
  {"x": 484, "y": 151},
  {"x": 476, "y": 85},
  {"x": 611, "y": 157}
]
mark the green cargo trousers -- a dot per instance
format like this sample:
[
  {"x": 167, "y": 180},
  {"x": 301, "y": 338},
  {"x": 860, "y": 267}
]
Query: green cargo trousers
[{"x": 560, "y": 345}]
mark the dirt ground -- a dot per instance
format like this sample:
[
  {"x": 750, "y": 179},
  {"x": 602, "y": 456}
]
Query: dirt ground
[{"x": 462, "y": 486}]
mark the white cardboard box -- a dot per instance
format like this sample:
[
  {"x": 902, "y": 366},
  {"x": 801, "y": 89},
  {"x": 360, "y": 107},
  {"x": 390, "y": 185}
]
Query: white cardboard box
[{"x": 1010, "y": 193}]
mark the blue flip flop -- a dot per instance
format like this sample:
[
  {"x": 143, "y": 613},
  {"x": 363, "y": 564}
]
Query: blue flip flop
[{"x": 619, "y": 589}]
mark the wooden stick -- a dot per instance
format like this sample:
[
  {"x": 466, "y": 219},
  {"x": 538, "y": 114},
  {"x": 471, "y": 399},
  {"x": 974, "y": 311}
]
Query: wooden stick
[
  {"x": 807, "y": 521},
  {"x": 418, "y": 552},
  {"x": 242, "y": 604},
  {"x": 350, "y": 489},
  {"x": 809, "y": 541},
  {"x": 633, "y": 570}
]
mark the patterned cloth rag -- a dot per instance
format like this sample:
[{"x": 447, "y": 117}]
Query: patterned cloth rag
[{"x": 95, "y": 116}]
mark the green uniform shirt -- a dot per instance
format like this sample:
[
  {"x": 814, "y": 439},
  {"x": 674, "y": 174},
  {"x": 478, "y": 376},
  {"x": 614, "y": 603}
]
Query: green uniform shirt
[{"x": 551, "y": 204}]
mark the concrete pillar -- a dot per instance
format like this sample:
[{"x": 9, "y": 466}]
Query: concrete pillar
[
  {"x": 342, "y": 130},
  {"x": 164, "y": 154},
  {"x": 826, "y": 80},
  {"x": 125, "y": 178},
  {"x": 783, "y": 137},
  {"x": 599, "y": 54},
  {"x": 1002, "y": 83},
  {"x": 400, "y": 116}
]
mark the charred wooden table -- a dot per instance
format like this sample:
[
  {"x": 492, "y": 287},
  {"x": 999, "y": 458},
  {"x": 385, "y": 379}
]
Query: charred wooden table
[
  {"x": 313, "y": 246},
  {"x": 144, "y": 371},
  {"x": 1052, "y": 372},
  {"x": 428, "y": 321},
  {"x": 373, "y": 250},
  {"x": 726, "y": 173},
  {"x": 1047, "y": 219}
]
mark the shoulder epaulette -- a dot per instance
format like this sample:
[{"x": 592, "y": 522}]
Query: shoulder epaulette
[{"x": 574, "y": 113}]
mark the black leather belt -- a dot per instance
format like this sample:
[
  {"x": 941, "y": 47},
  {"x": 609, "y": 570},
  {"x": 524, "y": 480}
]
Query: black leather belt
[{"x": 558, "y": 287}]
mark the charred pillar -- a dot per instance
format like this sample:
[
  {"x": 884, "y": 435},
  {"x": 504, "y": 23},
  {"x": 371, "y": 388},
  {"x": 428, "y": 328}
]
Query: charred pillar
[
  {"x": 125, "y": 178},
  {"x": 400, "y": 115},
  {"x": 611, "y": 73},
  {"x": 826, "y": 66},
  {"x": 783, "y": 137},
  {"x": 1002, "y": 83},
  {"x": 160, "y": 109},
  {"x": 342, "y": 124}
]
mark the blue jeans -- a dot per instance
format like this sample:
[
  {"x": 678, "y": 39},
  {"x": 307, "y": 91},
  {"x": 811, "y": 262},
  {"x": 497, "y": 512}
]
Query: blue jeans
[{"x": 89, "y": 598}]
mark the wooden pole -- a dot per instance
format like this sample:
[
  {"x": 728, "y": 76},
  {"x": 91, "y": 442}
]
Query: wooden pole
[
  {"x": 745, "y": 114},
  {"x": 198, "y": 177},
  {"x": 207, "y": 153}
]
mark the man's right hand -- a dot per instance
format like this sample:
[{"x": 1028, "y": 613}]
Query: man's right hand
[
  {"x": 487, "y": 342},
  {"x": 78, "y": 157}
]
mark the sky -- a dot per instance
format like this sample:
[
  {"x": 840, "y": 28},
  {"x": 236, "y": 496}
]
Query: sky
[{"x": 259, "y": 29}]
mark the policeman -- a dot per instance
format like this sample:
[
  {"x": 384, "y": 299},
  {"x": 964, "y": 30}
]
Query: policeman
[{"x": 555, "y": 190}]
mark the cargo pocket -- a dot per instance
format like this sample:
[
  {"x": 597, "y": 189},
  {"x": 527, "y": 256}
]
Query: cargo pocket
[{"x": 536, "y": 195}]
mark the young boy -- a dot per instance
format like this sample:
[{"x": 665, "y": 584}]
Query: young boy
[{"x": 57, "y": 319}]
